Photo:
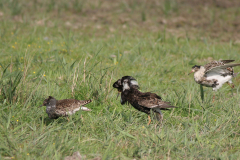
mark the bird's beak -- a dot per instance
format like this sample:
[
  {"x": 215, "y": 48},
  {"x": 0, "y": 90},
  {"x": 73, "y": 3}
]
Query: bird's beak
[
  {"x": 118, "y": 94},
  {"x": 40, "y": 106},
  {"x": 191, "y": 72}
]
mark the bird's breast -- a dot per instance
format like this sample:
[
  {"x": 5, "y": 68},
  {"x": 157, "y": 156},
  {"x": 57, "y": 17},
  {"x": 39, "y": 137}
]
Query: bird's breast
[{"x": 50, "y": 109}]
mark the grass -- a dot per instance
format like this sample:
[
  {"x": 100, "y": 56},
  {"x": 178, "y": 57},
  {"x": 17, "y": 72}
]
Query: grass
[{"x": 42, "y": 55}]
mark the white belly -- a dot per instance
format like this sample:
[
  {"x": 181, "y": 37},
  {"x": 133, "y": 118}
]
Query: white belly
[
  {"x": 220, "y": 79},
  {"x": 72, "y": 111}
]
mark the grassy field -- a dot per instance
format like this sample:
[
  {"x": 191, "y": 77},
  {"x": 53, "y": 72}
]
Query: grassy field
[{"x": 77, "y": 49}]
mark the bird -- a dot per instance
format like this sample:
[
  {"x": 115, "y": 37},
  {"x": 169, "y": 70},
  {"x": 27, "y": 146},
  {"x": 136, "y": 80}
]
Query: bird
[
  {"x": 63, "y": 108},
  {"x": 215, "y": 74},
  {"x": 144, "y": 102}
]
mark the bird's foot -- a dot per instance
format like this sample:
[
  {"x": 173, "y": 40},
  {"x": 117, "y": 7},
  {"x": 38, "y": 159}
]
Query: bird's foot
[
  {"x": 149, "y": 120},
  {"x": 231, "y": 85},
  {"x": 213, "y": 99}
]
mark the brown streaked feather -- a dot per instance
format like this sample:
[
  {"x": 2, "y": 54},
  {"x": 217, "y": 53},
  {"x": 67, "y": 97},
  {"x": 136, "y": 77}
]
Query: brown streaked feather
[
  {"x": 216, "y": 64},
  {"x": 144, "y": 102},
  {"x": 222, "y": 67},
  {"x": 69, "y": 104},
  {"x": 83, "y": 102},
  {"x": 227, "y": 61},
  {"x": 155, "y": 103},
  {"x": 230, "y": 65},
  {"x": 152, "y": 100},
  {"x": 150, "y": 95},
  {"x": 212, "y": 65}
]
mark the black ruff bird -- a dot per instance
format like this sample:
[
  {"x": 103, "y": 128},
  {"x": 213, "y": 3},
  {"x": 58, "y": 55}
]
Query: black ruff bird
[
  {"x": 144, "y": 102},
  {"x": 63, "y": 108},
  {"x": 215, "y": 74}
]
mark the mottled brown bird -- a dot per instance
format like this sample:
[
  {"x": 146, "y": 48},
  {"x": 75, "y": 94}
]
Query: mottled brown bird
[
  {"x": 215, "y": 74},
  {"x": 62, "y": 108},
  {"x": 144, "y": 102}
]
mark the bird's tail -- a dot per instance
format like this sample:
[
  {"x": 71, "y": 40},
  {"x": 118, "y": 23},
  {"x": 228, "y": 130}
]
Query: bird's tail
[
  {"x": 227, "y": 61},
  {"x": 83, "y": 103},
  {"x": 230, "y": 65},
  {"x": 85, "y": 108},
  {"x": 165, "y": 106}
]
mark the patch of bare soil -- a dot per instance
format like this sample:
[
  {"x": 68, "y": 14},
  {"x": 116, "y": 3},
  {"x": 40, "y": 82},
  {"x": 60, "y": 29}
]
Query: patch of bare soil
[
  {"x": 217, "y": 19},
  {"x": 213, "y": 3}
]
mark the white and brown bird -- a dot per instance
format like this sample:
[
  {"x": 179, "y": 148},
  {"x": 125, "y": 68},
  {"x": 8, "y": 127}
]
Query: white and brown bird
[
  {"x": 215, "y": 74},
  {"x": 144, "y": 102},
  {"x": 63, "y": 108}
]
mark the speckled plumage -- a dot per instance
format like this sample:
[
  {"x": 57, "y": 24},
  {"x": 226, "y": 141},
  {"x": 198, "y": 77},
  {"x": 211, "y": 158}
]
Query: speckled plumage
[
  {"x": 215, "y": 73},
  {"x": 62, "y": 108},
  {"x": 215, "y": 64},
  {"x": 144, "y": 102}
]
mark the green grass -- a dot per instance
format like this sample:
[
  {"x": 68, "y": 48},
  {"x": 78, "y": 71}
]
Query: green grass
[{"x": 38, "y": 60}]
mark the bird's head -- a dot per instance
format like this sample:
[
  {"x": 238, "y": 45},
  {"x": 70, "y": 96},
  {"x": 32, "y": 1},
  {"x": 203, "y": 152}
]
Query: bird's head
[
  {"x": 49, "y": 101},
  {"x": 194, "y": 69},
  {"x": 128, "y": 81},
  {"x": 118, "y": 85}
]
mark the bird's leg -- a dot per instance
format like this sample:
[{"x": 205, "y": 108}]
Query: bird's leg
[
  {"x": 202, "y": 93},
  {"x": 213, "y": 99},
  {"x": 118, "y": 94},
  {"x": 232, "y": 86},
  {"x": 68, "y": 119},
  {"x": 161, "y": 118},
  {"x": 149, "y": 120}
]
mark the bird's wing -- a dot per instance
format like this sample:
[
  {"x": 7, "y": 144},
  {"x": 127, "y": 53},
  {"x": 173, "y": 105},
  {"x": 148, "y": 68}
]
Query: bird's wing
[
  {"x": 149, "y": 95},
  {"x": 158, "y": 97},
  {"x": 154, "y": 103},
  {"x": 72, "y": 105},
  {"x": 213, "y": 64},
  {"x": 227, "y": 61},
  {"x": 220, "y": 68},
  {"x": 67, "y": 104}
]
